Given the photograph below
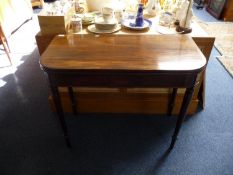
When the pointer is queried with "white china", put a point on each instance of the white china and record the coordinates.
(93, 29)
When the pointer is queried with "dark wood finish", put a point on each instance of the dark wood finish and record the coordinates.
(172, 101)
(141, 61)
(57, 102)
(43, 41)
(73, 100)
(187, 98)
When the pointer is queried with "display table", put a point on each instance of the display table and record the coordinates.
(133, 100)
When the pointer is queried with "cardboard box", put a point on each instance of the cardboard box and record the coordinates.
(53, 25)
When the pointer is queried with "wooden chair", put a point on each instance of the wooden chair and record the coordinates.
(4, 42)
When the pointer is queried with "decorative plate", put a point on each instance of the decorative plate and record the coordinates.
(93, 29)
(130, 23)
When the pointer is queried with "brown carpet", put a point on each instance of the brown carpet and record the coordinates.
(223, 33)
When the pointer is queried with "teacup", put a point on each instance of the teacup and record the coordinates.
(76, 24)
(108, 14)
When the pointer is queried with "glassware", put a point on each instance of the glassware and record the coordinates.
(76, 24)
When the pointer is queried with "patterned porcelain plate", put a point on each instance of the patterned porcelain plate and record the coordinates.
(130, 23)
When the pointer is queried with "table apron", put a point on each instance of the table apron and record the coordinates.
(111, 80)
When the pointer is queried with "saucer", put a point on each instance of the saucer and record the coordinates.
(102, 24)
(129, 23)
(93, 29)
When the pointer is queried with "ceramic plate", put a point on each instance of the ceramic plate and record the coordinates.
(129, 23)
(92, 29)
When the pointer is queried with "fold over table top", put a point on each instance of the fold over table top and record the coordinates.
(152, 53)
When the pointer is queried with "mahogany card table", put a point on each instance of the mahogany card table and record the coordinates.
(140, 61)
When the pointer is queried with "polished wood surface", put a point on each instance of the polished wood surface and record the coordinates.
(144, 53)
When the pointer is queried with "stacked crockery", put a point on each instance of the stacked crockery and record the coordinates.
(107, 21)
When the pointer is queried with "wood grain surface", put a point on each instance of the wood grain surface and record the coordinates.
(123, 53)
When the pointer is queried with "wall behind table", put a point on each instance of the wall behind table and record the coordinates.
(14, 13)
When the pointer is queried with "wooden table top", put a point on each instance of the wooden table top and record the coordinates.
(153, 53)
